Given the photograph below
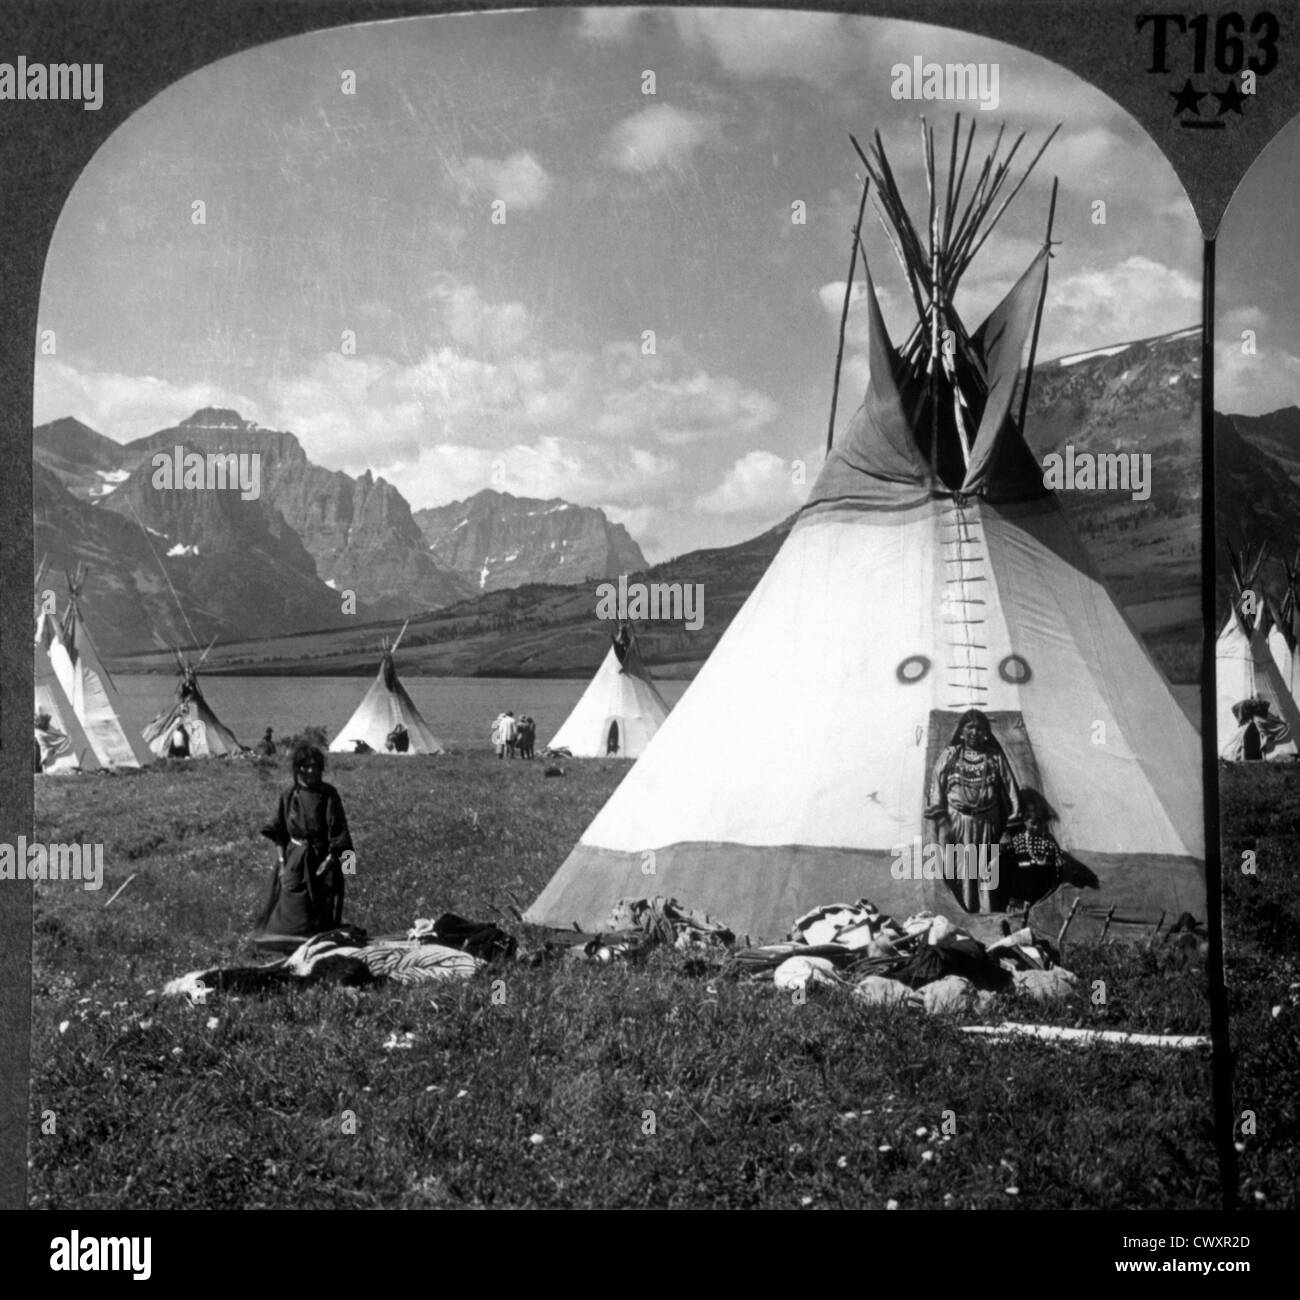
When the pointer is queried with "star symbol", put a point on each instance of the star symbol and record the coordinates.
(1230, 100)
(1188, 99)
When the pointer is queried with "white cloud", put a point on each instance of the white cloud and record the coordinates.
(480, 326)
(658, 136)
(520, 180)
(756, 484)
(831, 296)
(817, 48)
(1252, 383)
(1136, 299)
(124, 407)
(616, 476)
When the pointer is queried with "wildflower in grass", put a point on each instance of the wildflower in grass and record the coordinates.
(843, 1162)
(537, 1139)
(891, 1204)
(805, 1200)
(213, 1022)
(63, 1026)
(927, 1155)
(922, 1131)
(884, 1146)
(796, 1149)
(1012, 1191)
(849, 1114)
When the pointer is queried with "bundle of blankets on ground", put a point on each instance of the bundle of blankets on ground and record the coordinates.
(924, 961)
(635, 927)
(450, 948)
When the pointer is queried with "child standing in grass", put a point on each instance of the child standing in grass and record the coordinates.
(311, 831)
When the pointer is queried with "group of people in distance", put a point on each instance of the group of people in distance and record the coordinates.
(511, 734)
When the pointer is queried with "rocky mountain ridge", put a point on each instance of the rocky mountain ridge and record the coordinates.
(495, 540)
(281, 562)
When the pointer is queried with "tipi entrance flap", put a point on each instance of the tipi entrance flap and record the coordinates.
(1012, 742)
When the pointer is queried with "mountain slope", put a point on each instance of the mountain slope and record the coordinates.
(495, 540)
(359, 532)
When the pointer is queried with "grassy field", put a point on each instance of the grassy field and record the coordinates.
(670, 1083)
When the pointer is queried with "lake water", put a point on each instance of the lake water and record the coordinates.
(459, 709)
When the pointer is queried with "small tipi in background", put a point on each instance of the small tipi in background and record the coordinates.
(88, 685)
(208, 737)
(385, 707)
(1255, 713)
(930, 573)
(620, 710)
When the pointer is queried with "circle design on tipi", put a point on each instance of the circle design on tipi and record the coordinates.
(1015, 670)
(912, 669)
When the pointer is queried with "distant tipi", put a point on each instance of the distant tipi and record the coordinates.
(931, 644)
(620, 710)
(89, 686)
(386, 708)
(1255, 713)
(205, 734)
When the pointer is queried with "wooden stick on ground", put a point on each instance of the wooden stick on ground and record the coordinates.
(1106, 927)
(123, 885)
(1151, 940)
(1010, 1029)
(1074, 907)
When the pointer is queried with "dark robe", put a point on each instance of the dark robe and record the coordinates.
(309, 825)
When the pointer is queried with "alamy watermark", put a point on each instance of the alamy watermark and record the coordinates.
(23, 861)
(179, 469)
(83, 81)
(678, 601)
(77, 1254)
(946, 862)
(921, 80)
(1105, 471)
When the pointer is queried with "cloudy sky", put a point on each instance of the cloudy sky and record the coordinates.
(1257, 285)
(513, 355)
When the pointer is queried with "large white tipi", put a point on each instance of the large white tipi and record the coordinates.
(61, 740)
(384, 708)
(930, 574)
(1255, 713)
(620, 710)
(90, 688)
(1284, 638)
